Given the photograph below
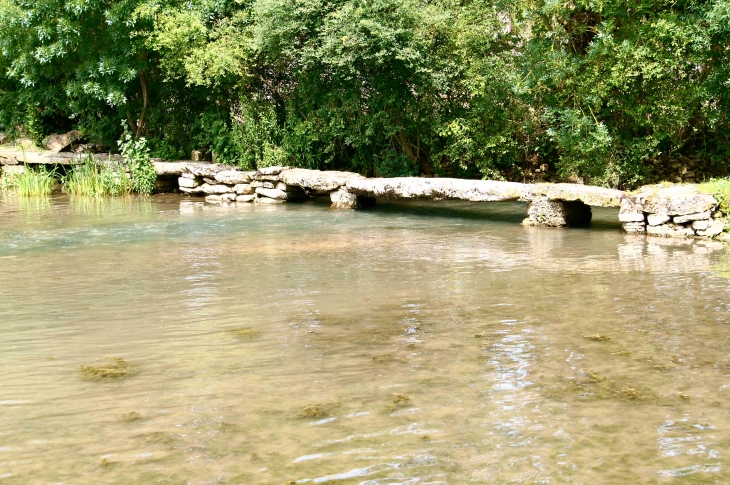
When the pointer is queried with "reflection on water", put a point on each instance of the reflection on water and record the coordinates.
(415, 343)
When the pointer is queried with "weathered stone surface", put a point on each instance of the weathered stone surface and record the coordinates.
(233, 177)
(187, 175)
(588, 194)
(171, 168)
(267, 200)
(344, 199)
(631, 210)
(657, 219)
(214, 198)
(441, 188)
(631, 217)
(230, 197)
(271, 170)
(204, 169)
(12, 169)
(693, 217)
(557, 213)
(214, 189)
(317, 181)
(700, 225)
(57, 143)
(262, 184)
(670, 230)
(481, 190)
(634, 227)
(272, 193)
(187, 182)
(675, 200)
(246, 198)
(715, 227)
(244, 189)
(4, 138)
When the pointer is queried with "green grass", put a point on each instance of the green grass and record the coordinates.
(91, 179)
(720, 188)
(31, 182)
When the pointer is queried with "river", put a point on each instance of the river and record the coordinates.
(415, 343)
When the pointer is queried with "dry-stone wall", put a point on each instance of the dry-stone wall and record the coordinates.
(672, 211)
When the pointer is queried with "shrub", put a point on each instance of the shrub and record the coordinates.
(136, 156)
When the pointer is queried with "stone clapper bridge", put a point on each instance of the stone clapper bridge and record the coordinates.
(678, 210)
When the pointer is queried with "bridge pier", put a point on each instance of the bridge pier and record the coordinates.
(344, 199)
(542, 211)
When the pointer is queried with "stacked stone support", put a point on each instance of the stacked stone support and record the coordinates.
(542, 211)
(672, 211)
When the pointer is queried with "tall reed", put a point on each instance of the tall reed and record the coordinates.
(30, 182)
(92, 179)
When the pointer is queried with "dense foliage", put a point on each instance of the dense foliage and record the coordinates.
(596, 89)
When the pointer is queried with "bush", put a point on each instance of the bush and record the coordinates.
(136, 156)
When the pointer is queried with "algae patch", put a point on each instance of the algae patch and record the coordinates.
(115, 369)
(131, 416)
(401, 398)
(313, 412)
(598, 337)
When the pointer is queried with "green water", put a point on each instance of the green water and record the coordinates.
(419, 343)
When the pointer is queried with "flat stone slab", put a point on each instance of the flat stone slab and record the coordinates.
(316, 180)
(674, 200)
(588, 194)
(482, 190)
(438, 188)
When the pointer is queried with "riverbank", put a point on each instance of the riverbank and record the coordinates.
(666, 210)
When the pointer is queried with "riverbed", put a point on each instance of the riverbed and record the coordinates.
(413, 343)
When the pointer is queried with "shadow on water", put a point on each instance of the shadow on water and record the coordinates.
(511, 212)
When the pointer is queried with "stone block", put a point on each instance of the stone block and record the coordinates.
(715, 228)
(244, 189)
(229, 197)
(634, 227)
(657, 219)
(246, 198)
(557, 213)
(214, 198)
(232, 177)
(214, 189)
(57, 143)
(266, 200)
(263, 184)
(344, 199)
(631, 210)
(631, 217)
(187, 183)
(699, 216)
(272, 193)
(271, 170)
(670, 230)
(700, 225)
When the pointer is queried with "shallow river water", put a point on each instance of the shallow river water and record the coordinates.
(416, 343)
